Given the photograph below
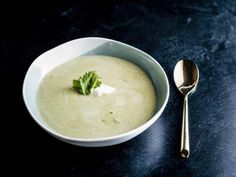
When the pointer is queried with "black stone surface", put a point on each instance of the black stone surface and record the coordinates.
(201, 30)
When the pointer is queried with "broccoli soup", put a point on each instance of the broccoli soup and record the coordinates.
(96, 96)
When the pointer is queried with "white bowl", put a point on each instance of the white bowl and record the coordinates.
(93, 46)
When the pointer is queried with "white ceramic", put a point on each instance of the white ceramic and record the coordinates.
(93, 46)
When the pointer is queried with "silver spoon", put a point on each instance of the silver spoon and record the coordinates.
(186, 77)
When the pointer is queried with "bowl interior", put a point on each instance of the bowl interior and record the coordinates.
(90, 46)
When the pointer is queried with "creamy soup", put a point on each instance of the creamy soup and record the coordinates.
(87, 116)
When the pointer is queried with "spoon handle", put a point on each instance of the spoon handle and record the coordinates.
(185, 150)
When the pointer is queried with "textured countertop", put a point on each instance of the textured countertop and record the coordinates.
(204, 31)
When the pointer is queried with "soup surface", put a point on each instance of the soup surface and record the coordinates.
(87, 116)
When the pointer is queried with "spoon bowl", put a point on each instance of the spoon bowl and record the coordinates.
(186, 76)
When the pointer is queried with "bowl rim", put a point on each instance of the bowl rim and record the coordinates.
(140, 128)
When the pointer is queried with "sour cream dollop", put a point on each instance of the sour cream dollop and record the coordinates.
(103, 89)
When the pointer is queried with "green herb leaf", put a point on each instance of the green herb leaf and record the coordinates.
(88, 81)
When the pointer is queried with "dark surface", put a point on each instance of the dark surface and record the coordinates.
(204, 31)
